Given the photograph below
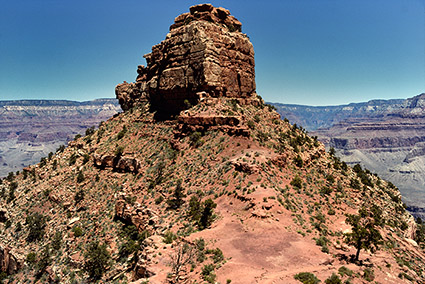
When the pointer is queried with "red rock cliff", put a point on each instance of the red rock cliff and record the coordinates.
(204, 54)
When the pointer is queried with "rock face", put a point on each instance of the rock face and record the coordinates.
(205, 54)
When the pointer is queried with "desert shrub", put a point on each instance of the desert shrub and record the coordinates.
(96, 260)
(217, 255)
(355, 184)
(298, 161)
(297, 182)
(119, 151)
(330, 179)
(57, 241)
(169, 237)
(196, 139)
(72, 159)
(325, 190)
(36, 224)
(79, 196)
(80, 177)
(306, 278)
(323, 242)
(60, 149)
(207, 215)
(195, 208)
(121, 134)
(345, 271)
(78, 232)
(159, 200)
(43, 262)
(208, 273)
(333, 279)
(86, 158)
(127, 248)
(368, 275)
(31, 258)
(90, 131)
(250, 124)
(78, 136)
(12, 188)
(176, 200)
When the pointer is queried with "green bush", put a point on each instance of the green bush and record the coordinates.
(80, 177)
(36, 224)
(79, 196)
(207, 216)
(96, 260)
(196, 139)
(57, 240)
(169, 237)
(297, 182)
(306, 278)
(368, 275)
(122, 133)
(333, 279)
(345, 271)
(298, 161)
(31, 258)
(72, 159)
(78, 232)
(176, 200)
(208, 273)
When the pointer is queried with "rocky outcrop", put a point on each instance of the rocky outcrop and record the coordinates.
(141, 217)
(9, 263)
(204, 55)
(117, 163)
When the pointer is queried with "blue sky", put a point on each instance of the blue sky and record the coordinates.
(315, 52)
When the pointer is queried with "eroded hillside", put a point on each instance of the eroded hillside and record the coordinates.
(223, 191)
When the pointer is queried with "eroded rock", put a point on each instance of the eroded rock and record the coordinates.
(205, 54)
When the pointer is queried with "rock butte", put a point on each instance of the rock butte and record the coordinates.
(205, 55)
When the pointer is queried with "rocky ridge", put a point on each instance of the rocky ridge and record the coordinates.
(223, 192)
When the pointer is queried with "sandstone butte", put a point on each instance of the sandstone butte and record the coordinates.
(199, 181)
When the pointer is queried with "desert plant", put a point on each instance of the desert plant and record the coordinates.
(207, 216)
(306, 278)
(96, 260)
(208, 273)
(297, 182)
(80, 177)
(364, 234)
(333, 279)
(36, 224)
(169, 237)
(79, 196)
(176, 200)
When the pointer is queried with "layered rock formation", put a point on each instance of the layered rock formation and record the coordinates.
(205, 54)
(387, 137)
(224, 192)
(29, 130)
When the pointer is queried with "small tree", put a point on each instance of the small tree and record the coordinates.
(96, 260)
(176, 200)
(36, 224)
(364, 234)
(207, 216)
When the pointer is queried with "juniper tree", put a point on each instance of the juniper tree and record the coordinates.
(364, 233)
